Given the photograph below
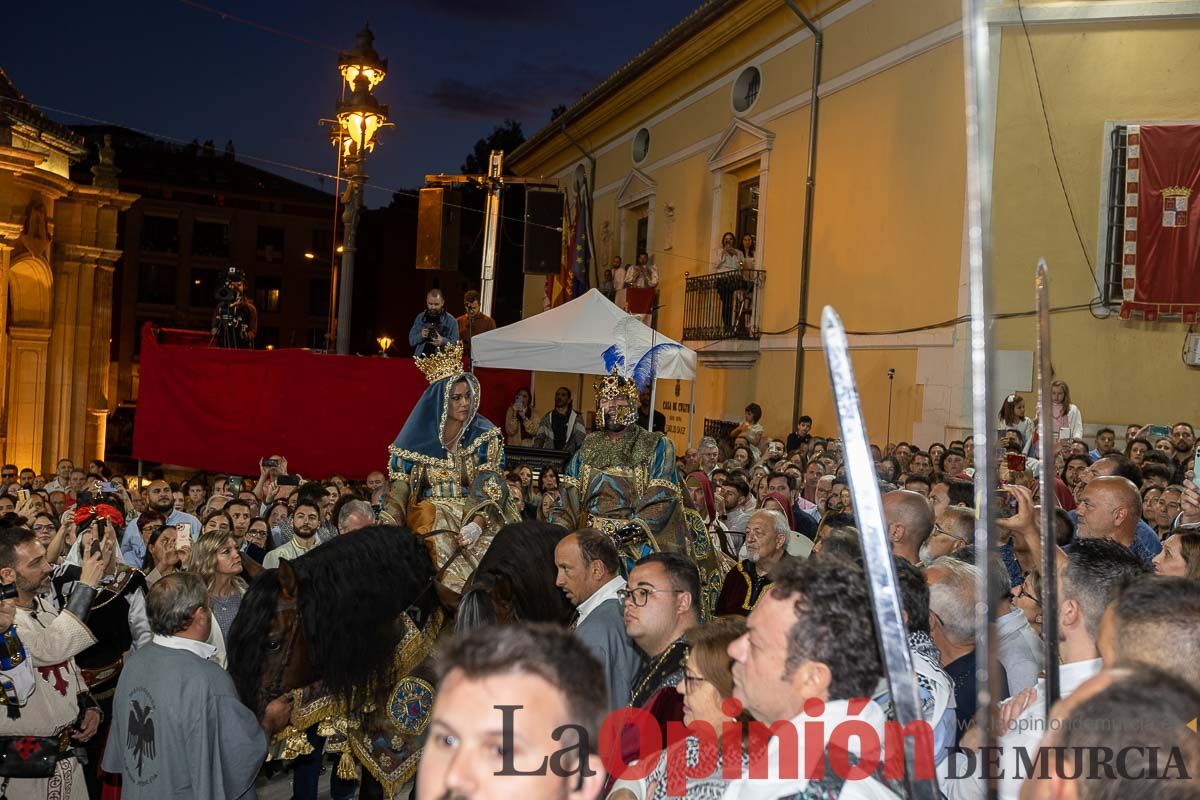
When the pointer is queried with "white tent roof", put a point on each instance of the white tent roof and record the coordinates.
(573, 338)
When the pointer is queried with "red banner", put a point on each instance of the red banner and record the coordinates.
(222, 410)
(1161, 272)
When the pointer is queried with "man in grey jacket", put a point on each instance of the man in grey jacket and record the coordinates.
(589, 575)
(178, 728)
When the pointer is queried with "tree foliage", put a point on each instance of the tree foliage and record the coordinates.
(506, 137)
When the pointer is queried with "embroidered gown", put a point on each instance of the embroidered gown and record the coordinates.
(436, 492)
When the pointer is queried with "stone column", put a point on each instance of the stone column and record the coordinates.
(97, 391)
(5, 255)
(61, 355)
(79, 366)
(27, 393)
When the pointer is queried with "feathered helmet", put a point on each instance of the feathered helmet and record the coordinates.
(617, 386)
(626, 381)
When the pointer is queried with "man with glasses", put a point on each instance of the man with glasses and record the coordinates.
(662, 600)
(8, 476)
(951, 532)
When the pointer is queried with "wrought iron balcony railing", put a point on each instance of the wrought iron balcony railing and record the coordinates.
(725, 305)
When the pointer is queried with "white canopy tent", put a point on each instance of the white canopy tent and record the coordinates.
(573, 338)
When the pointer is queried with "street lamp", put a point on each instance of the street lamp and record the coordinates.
(362, 60)
(385, 344)
(360, 116)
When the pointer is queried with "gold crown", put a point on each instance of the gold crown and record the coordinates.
(442, 364)
(1176, 191)
(615, 385)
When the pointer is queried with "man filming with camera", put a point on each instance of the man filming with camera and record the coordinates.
(434, 329)
(40, 737)
(235, 324)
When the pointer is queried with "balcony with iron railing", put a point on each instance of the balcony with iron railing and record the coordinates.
(722, 311)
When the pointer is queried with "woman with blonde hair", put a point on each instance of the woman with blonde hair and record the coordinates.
(217, 562)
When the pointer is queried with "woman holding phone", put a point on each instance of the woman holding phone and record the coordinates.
(520, 423)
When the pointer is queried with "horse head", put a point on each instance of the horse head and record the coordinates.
(515, 579)
(268, 650)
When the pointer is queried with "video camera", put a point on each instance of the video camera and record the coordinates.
(433, 324)
(231, 290)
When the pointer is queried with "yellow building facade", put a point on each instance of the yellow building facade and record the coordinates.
(677, 138)
(58, 250)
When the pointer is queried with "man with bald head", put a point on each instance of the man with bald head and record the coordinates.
(910, 521)
(1110, 508)
(1146, 541)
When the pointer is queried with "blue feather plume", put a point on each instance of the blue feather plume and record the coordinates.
(643, 371)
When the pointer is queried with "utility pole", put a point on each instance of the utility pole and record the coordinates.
(487, 274)
(494, 181)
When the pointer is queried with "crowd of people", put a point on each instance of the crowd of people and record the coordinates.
(123, 592)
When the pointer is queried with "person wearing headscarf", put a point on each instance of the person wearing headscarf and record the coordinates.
(447, 471)
(705, 500)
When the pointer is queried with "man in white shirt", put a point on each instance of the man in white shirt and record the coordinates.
(809, 650)
(1089, 577)
(306, 520)
(62, 480)
(589, 575)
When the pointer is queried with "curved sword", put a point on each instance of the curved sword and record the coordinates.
(877, 552)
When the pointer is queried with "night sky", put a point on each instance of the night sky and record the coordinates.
(456, 69)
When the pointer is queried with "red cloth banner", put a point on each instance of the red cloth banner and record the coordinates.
(1161, 269)
(222, 410)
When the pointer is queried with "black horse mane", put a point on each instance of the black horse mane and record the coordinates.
(521, 557)
(247, 636)
(352, 591)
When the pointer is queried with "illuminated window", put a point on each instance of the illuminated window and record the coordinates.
(267, 293)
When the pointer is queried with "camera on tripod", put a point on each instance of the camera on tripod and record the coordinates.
(231, 290)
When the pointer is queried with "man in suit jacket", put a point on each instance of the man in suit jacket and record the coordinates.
(589, 575)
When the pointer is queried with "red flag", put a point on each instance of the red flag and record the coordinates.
(558, 287)
(1161, 269)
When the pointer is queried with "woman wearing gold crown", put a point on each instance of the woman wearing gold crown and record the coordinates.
(445, 471)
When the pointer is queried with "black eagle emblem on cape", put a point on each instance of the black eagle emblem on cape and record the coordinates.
(140, 736)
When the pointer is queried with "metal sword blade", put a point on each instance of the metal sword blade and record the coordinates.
(877, 552)
(983, 418)
(1046, 444)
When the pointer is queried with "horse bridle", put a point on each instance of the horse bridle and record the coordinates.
(274, 689)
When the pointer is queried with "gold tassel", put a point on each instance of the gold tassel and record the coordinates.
(295, 744)
(347, 768)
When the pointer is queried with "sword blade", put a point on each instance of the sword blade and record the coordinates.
(877, 551)
(1046, 456)
(983, 417)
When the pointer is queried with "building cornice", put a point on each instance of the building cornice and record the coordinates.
(10, 232)
(101, 256)
(103, 197)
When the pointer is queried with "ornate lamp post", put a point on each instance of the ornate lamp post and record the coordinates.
(360, 117)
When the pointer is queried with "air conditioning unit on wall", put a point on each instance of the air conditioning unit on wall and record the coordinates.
(1191, 349)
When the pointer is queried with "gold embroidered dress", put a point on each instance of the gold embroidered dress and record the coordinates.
(436, 490)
